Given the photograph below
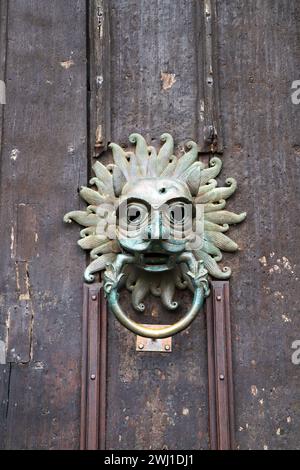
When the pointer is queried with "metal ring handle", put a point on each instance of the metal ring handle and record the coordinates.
(149, 332)
(198, 276)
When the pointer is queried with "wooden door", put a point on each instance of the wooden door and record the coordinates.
(79, 75)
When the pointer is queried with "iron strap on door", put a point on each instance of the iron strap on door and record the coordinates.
(94, 356)
(220, 376)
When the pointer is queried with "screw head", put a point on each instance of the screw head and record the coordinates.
(167, 347)
(93, 376)
(219, 297)
(141, 346)
(222, 376)
(94, 297)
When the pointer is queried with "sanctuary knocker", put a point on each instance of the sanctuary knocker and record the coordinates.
(156, 222)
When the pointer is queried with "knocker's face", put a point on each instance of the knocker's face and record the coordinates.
(155, 221)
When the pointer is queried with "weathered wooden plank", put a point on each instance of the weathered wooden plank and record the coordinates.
(4, 369)
(3, 44)
(157, 69)
(259, 59)
(43, 162)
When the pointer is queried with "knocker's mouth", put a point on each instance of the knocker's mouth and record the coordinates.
(152, 261)
(154, 256)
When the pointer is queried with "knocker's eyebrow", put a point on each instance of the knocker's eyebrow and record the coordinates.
(177, 199)
(134, 199)
(145, 203)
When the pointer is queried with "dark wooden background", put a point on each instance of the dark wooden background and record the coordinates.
(60, 88)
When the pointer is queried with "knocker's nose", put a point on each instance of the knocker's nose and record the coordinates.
(156, 230)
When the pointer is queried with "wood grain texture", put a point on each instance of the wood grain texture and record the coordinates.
(43, 163)
(259, 59)
(155, 49)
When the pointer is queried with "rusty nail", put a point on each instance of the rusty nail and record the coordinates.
(219, 297)
(141, 346)
(93, 376)
(167, 347)
(222, 377)
(94, 297)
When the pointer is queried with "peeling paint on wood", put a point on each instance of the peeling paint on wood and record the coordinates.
(66, 64)
(168, 80)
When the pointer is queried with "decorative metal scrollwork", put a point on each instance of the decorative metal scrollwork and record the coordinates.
(156, 222)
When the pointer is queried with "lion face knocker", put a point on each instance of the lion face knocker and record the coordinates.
(156, 222)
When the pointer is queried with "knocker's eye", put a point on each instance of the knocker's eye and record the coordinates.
(178, 213)
(136, 214)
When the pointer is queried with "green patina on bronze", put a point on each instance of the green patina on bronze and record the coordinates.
(150, 256)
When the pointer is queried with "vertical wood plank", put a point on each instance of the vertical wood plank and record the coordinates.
(43, 155)
(259, 60)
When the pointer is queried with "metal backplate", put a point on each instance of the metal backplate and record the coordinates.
(154, 345)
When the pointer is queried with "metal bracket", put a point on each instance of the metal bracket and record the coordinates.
(163, 345)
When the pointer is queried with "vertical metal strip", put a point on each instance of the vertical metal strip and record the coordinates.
(220, 377)
(84, 363)
(209, 103)
(103, 371)
(211, 374)
(93, 392)
(99, 76)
